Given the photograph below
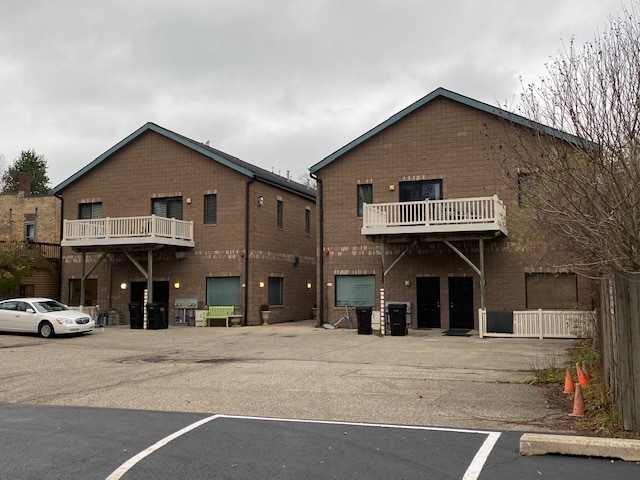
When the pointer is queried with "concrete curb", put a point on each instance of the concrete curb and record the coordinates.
(542, 444)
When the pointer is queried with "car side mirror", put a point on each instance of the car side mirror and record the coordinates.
(30, 310)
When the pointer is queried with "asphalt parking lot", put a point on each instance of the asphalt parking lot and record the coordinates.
(291, 370)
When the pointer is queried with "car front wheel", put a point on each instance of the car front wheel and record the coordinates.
(46, 330)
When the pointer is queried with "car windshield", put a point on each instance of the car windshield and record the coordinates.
(49, 306)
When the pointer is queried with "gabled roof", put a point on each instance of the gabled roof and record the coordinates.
(442, 92)
(225, 159)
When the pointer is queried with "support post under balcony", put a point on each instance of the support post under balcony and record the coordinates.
(386, 271)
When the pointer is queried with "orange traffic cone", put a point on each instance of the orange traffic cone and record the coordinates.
(578, 403)
(585, 370)
(582, 378)
(569, 387)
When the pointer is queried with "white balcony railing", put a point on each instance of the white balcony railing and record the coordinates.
(435, 216)
(542, 324)
(127, 231)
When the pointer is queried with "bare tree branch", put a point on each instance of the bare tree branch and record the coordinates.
(584, 203)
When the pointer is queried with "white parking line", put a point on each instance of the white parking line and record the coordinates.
(472, 472)
(129, 464)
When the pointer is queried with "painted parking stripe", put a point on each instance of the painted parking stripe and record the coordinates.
(472, 472)
(129, 464)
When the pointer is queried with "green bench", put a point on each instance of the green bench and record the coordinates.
(218, 312)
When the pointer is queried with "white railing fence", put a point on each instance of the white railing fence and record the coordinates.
(537, 324)
(434, 212)
(122, 227)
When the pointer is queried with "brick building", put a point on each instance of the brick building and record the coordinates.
(414, 212)
(166, 214)
(32, 223)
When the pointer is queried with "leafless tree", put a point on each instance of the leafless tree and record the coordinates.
(307, 181)
(581, 188)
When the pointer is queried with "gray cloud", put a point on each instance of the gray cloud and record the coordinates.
(280, 84)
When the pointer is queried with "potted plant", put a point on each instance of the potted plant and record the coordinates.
(265, 313)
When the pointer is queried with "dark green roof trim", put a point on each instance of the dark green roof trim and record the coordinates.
(442, 92)
(225, 159)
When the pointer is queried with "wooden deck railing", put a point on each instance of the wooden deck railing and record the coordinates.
(38, 249)
(126, 228)
(478, 213)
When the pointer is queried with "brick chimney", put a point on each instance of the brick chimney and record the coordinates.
(24, 184)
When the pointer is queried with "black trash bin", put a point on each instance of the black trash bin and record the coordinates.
(135, 314)
(398, 319)
(157, 316)
(364, 320)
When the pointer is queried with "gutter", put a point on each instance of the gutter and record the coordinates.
(246, 251)
(319, 249)
(60, 245)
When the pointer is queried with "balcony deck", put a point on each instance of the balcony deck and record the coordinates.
(462, 215)
(127, 231)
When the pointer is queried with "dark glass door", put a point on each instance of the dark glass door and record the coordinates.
(421, 190)
(461, 302)
(428, 291)
(160, 291)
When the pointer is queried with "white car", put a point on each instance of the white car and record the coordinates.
(43, 316)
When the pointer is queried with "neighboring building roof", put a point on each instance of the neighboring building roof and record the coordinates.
(225, 159)
(442, 92)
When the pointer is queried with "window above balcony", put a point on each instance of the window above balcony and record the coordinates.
(170, 207)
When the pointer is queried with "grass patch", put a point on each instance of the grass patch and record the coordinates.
(548, 375)
(601, 414)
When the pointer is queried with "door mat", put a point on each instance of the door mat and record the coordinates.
(457, 332)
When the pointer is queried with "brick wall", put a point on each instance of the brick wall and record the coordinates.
(45, 213)
(44, 210)
(154, 166)
(442, 140)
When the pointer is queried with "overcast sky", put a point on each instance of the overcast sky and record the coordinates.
(278, 83)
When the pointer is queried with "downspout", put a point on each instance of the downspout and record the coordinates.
(60, 249)
(319, 249)
(246, 252)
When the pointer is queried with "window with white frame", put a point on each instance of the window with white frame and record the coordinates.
(30, 230)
